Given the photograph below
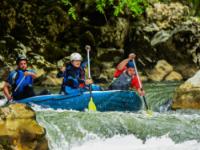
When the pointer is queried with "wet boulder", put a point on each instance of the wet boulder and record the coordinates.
(187, 95)
(174, 76)
(161, 69)
(19, 129)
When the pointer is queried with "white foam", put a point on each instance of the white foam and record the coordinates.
(130, 142)
(3, 102)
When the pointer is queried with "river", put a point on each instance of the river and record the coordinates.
(161, 130)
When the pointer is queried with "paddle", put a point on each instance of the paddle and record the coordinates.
(91, 105)
(20, 83)
(144, 98)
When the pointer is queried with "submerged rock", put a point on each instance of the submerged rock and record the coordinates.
(187, 95)
(19, 129)
(161, 69)
(174, 76)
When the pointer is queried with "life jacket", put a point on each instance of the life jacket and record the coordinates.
(122, 82)
(74, 77)
(16, 77)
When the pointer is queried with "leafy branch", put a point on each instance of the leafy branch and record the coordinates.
(135, 7)
(71, 9)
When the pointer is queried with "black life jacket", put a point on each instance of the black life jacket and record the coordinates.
(122, 82)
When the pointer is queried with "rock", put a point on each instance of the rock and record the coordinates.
(158, 34)
(51, 81)
(19, 129)
(160, 37)
(195, 80)
(21, 49)
(187, 71)
(107, 65)
(40, 61)
(107, 75)
(174, 76)
(162, 34)
(166, 15)
(114, 34)
(161, 69)
(109, 54)
(40, 71)
(187, 95)
(2, 59)
(143, 78)
(4, 72)
(103, 78)
(1, 85)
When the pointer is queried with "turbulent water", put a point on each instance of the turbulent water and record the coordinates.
(161, 130)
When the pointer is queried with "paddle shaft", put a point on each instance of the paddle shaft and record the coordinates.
(88, 61)
(91, 104)
(20, 83)
(140, 84)
(145, 102)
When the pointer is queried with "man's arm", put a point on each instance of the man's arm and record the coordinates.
(141, 92)
(30, 73)
(6, 91)
(124, 62)
(135, 84)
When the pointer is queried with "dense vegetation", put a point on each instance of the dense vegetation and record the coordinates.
(126, 7)
(114, 7)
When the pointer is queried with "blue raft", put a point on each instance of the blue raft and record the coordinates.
(114, 100)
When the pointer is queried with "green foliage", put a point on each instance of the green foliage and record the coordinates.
(72, 12)
(100, 5)
(195, 5)
(66, 2)
(136, 7)
(71, 9)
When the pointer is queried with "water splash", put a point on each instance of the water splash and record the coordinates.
(164, 130)
(130, 142)
(72, 128)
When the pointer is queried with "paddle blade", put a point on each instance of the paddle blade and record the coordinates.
(149, 113)
(91, 105)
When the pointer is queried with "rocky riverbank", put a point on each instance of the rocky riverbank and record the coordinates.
(44, 32)
(19, 129)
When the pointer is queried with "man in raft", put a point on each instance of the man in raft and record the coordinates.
(20, 81)
(125, 76)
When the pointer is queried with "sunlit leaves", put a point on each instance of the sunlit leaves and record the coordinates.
(66, 2)
(100, 5)
(116, 7)
(71, 9)
(72, 12)
(135, 7)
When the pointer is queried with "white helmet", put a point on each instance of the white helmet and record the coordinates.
(75, 56)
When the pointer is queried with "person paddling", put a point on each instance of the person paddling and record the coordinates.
(20, 81)
(74, 75)
(126, 77)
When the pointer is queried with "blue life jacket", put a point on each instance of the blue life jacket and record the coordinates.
(73, 77)
(122, 82)
(14, 79)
